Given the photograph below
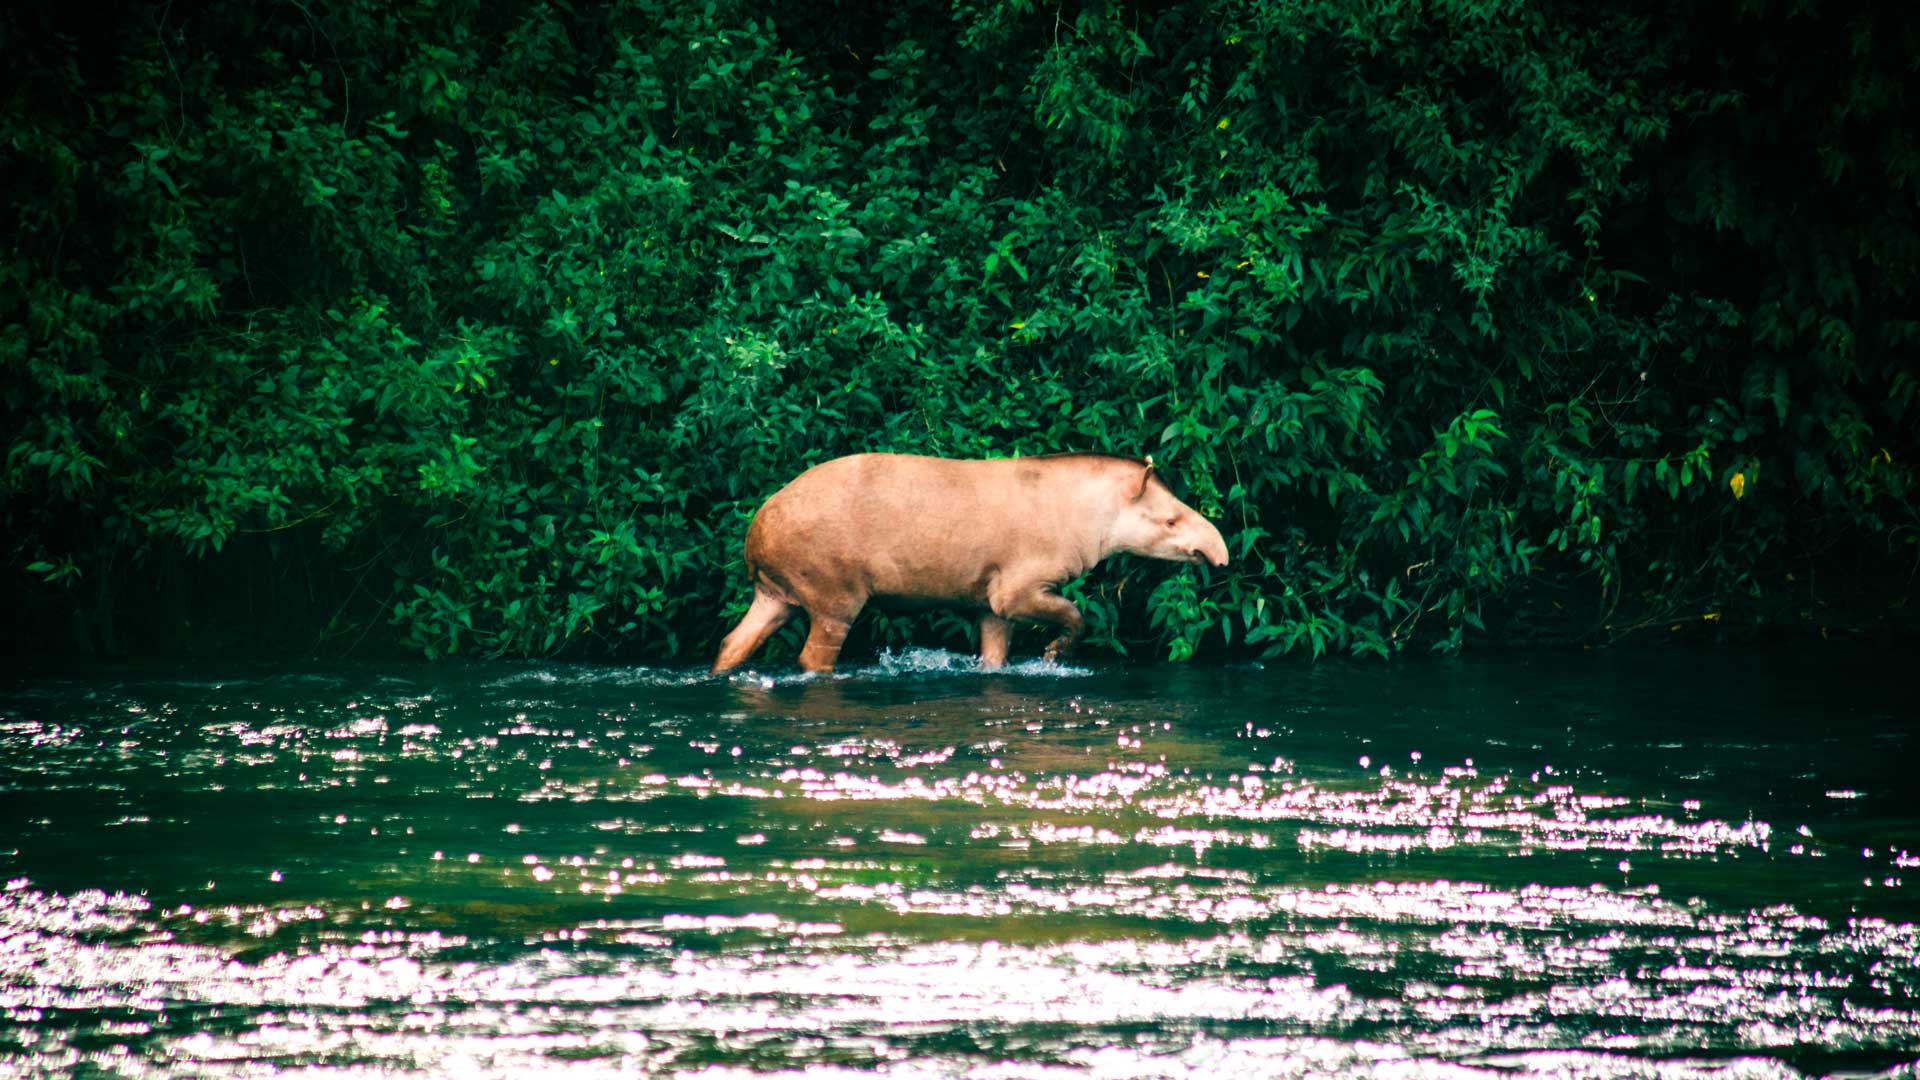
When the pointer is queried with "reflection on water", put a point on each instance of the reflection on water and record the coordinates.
(1574, 866)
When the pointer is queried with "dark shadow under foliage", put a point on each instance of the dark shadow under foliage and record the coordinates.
(485, 328)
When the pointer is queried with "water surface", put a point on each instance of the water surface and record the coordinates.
(1578, 865)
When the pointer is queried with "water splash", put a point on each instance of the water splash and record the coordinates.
(908, 663)
(923, 661)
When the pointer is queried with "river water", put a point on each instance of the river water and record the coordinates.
(1582, 865)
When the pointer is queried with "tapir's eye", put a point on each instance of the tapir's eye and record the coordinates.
(1172, 521)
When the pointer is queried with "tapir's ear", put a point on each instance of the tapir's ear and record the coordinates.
(1146, 477)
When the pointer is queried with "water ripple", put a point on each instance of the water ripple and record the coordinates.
(916, 869)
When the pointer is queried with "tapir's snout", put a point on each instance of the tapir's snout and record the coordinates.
(1213, 550)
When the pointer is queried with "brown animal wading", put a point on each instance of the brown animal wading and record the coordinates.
(1001, 536)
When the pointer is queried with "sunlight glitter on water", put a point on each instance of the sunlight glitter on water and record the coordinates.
(421, 998)
(916, 870)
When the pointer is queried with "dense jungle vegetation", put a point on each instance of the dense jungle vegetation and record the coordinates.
(459, 327)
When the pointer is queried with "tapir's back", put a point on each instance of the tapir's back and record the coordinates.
(909, 526)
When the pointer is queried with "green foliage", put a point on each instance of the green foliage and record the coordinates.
(496, 324)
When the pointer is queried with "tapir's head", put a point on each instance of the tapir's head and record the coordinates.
(1153, 523)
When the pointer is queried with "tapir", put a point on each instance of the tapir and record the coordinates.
(999, 537)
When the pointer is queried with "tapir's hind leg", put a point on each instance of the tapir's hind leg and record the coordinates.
(767, 614)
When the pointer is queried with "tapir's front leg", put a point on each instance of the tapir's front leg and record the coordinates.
(1041, 604)
(995, 634)
(825, 635)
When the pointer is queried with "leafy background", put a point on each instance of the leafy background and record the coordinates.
(471, 327)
